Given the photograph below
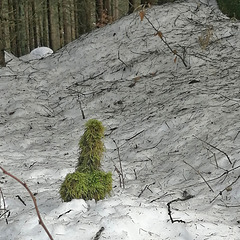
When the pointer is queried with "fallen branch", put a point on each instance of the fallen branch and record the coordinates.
(20, 199)
(214, 156)
(120, 172)
(225, 189)
(214, 148)
(80, 104)
(158, 198)
(166, 43)
(64, 213)
(33, 198)
(186, 197)
(199, 175)
(135, 135)
(5, 211)
(146, 187)
(121, 59)
(98, 234)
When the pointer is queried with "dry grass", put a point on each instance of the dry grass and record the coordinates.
(206, 36)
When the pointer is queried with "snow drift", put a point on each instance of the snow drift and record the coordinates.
(176, 129)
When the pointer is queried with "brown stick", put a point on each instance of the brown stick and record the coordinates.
(4, 206)
(120, 165)
(214, 148)
(188, 196)
(34, 201)
(225, 189)
(166, 43)
(199, 175)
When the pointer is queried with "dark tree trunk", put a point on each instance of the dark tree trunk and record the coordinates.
(2, 37)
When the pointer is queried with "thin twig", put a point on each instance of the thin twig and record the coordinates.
(236, 135)
(199, 175)
(214, 156)
(121, 59)
(80, 104)
(188, 196)
(214, 148)
(146, 187)
(166, 43)
(155, 199)
(225, 189)
(4, 206)
(135, 135)
(120, 165)
(33, 198)
(98, 234)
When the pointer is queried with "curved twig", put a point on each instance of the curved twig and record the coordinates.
(33, 198)
(165, 42)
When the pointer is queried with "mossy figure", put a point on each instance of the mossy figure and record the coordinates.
(88, 181)
(91, 146)
(89, 185)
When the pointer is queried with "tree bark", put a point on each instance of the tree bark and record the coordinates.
(99, 12)
(131, 4)
(2, 37)
(66, 21)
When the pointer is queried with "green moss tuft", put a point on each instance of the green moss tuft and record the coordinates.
(88, 185)
(88, 181)
(230, 7)
(91, 146)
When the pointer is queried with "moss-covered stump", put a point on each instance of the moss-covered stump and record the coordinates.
(86, 185)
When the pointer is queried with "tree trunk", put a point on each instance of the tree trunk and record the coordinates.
(53, 25)
(22, 28)
(66, 21)
(99, 12)
(131, 4)
(2, 37)
(45, 25)
(116, 11)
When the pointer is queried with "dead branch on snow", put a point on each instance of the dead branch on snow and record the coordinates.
(33, 198)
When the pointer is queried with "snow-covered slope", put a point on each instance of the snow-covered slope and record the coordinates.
(176, 128)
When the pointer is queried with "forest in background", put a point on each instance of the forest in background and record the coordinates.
(27, 24)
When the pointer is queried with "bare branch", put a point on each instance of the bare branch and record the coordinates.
(146, 187)
(98, 234)
(120, 173)
(214, 148)
(166, 43)
(33, 198)
(199, 175)
(225, 189)
(121, 59)
(80, 104)
(135, 135)
(185, 197)
(4, 206)
(214, 156)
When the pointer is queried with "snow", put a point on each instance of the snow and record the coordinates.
(39, 53)
(175, 126)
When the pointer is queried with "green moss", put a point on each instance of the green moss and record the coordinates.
(88, 181)
(88, 185)
(91, 146)
(230, 7)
